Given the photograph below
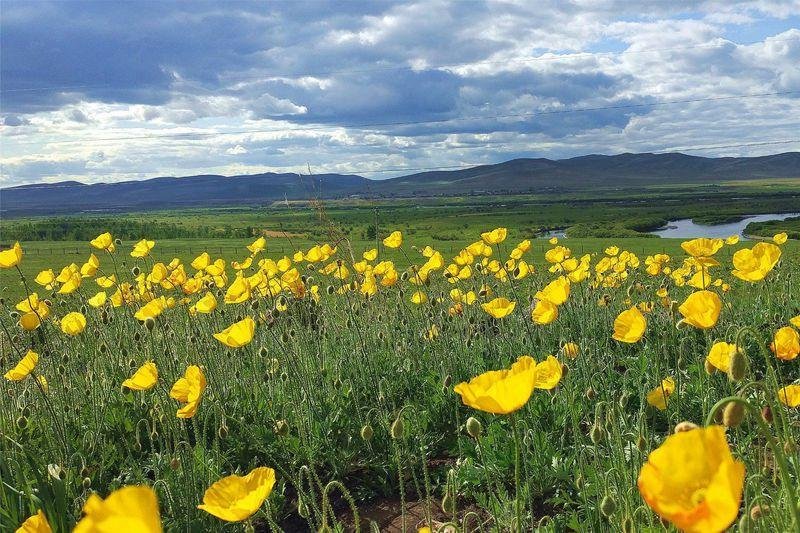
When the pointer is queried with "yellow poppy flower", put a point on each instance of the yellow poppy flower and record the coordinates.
(11, 257)
(701, 309)
(790, 396)
(555, 292)
(238, 292)
(629, 326)
(98, 299)
(189, 390)
(702, 247)
(144, 378)
(204, 305)
(419, 298)
(505, 391)
(553, 240)
(786, 344)
(103, 242)
(693, 481)
(73, 323)
(90, 267)
(259, 245)
(151, 309)
(500, 391)
(133, 509)
(720, 355)
(106, 282)
(571, 350)
(780, 238)
(658, 396)
(795, 321)
(238, 334)
(733, 239)
(754, 264)
(142, 248)
(544, 312)
(496, 236)
(394, 240)
(236, 498)
(370, 255)
(35, 524)
(548, 373)
(45, 278)
(499, 307)
(24, 367)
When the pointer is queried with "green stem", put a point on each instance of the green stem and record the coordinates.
(517, 500)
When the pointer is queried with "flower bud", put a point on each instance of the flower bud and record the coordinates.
(222, 432)
(282, 428)
(709, 368)
(627, 525)
(758, 511)
(448, 503)
(738, 366)
(766, 414)
(733, 414)
(474, 427)
(685, 426)
(596, 434)
(367, 432)
(398, 428)
(86, 483)
(608, 506)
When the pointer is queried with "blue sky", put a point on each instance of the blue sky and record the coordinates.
(109, 91)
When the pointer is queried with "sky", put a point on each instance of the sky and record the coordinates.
(111, 91)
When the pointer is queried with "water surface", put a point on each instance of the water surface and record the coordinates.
(686, 229)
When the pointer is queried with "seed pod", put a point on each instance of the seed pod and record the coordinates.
(608, 506)
(474, 427)
(766, 414)
(733, 414)
(86, 483)
(175, 463)
(590, 394)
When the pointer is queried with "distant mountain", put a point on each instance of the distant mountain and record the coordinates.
(511, 177)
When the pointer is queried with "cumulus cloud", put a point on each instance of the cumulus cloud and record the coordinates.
(238, 87)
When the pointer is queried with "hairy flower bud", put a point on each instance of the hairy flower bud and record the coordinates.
(733, 414)
(474, 427)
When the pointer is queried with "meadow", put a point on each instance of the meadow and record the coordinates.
(332, 382)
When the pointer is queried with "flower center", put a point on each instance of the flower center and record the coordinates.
(698, 496)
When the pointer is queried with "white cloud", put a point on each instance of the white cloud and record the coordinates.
(288, 88)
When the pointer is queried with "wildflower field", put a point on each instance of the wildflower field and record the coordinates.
(505, 385)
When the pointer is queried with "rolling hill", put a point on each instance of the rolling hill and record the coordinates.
(511, 177)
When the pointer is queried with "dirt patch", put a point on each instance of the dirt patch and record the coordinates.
(281, 234)
(389, 517)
